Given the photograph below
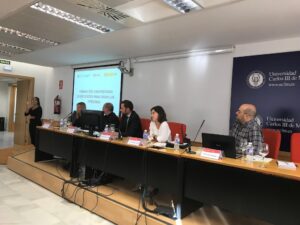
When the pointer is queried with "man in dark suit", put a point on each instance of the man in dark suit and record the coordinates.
(109, 117)
(130, 125)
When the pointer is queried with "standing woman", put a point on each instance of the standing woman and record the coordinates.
(159, 127)
(34, 110)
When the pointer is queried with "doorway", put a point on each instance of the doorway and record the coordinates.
(12, 107)
(16, 91)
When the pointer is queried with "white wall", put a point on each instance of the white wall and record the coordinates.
(268, 47)
(57, 74)
(4, 99)
(46, 85)
(40, 73)
(189, 89)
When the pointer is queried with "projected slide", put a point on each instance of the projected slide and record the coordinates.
(96, 86)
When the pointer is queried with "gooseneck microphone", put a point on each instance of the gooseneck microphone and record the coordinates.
(189, 149)
(67, 116)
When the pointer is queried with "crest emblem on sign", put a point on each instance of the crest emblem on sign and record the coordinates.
(256, 79)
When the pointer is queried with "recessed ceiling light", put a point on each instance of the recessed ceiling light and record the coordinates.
(183, 6)
(27, 36)
(70, 17)
(14, 47)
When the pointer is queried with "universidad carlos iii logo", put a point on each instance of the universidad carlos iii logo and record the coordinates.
(256, 79)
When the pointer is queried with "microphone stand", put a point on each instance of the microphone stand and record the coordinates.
(67, 116)
(189, 148)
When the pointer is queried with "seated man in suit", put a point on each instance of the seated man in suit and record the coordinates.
(246, 127)
(76, 115)
(110, 118)
(130, 125)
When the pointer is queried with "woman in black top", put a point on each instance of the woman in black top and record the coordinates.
(76, 115)
(34, 110)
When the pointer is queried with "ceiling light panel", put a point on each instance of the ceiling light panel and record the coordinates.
(70, 17)
(183, 6)
(27, 36)
(2, 44)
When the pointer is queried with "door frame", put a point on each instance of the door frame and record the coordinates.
(11, 109)
(30, 94)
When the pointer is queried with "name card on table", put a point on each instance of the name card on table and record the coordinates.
(46, 125)
(286, 165)
(71, 130)
(211, 153)
(106, 136)
(135, 141)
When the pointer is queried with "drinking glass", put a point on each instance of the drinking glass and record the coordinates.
(112, 128)
(263, 151)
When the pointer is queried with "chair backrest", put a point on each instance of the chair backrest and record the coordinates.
(295, 147)
(177, 128)
(273, 139)
(145, 124)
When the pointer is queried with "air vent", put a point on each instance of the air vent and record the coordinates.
(102, 9)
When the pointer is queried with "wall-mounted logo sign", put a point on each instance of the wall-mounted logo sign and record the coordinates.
(259, 120)
(256, 79)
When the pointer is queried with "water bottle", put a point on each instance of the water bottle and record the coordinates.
(250, 151)
(176, 142)
(145, 137)
(81, 175)
(65, 123)
(106, 128)
(61, 123)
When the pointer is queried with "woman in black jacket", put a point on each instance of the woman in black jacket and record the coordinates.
(34, 110)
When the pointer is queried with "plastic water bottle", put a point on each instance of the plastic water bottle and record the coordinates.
(106, 128)
(81, 175)
(145, 137)
(65, 123)
(250, 151)
(176, 142)
(61, 123)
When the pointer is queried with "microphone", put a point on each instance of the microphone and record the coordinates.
(69, 114)
(174, 211)
(189, 149)
(120, 136)
(199, 130)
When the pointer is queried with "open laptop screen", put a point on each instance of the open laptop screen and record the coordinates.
(220, 142)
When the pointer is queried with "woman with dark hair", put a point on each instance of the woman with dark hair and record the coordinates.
(159, 128)
(34, 110)
(76, 115)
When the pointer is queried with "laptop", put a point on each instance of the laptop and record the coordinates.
(221, 142)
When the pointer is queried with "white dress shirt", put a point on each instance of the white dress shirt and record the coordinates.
(163, 134)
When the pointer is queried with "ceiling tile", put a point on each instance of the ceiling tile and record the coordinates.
(147, 10)
(213, 3)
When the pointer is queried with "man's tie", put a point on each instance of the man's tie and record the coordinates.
(127, 121)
